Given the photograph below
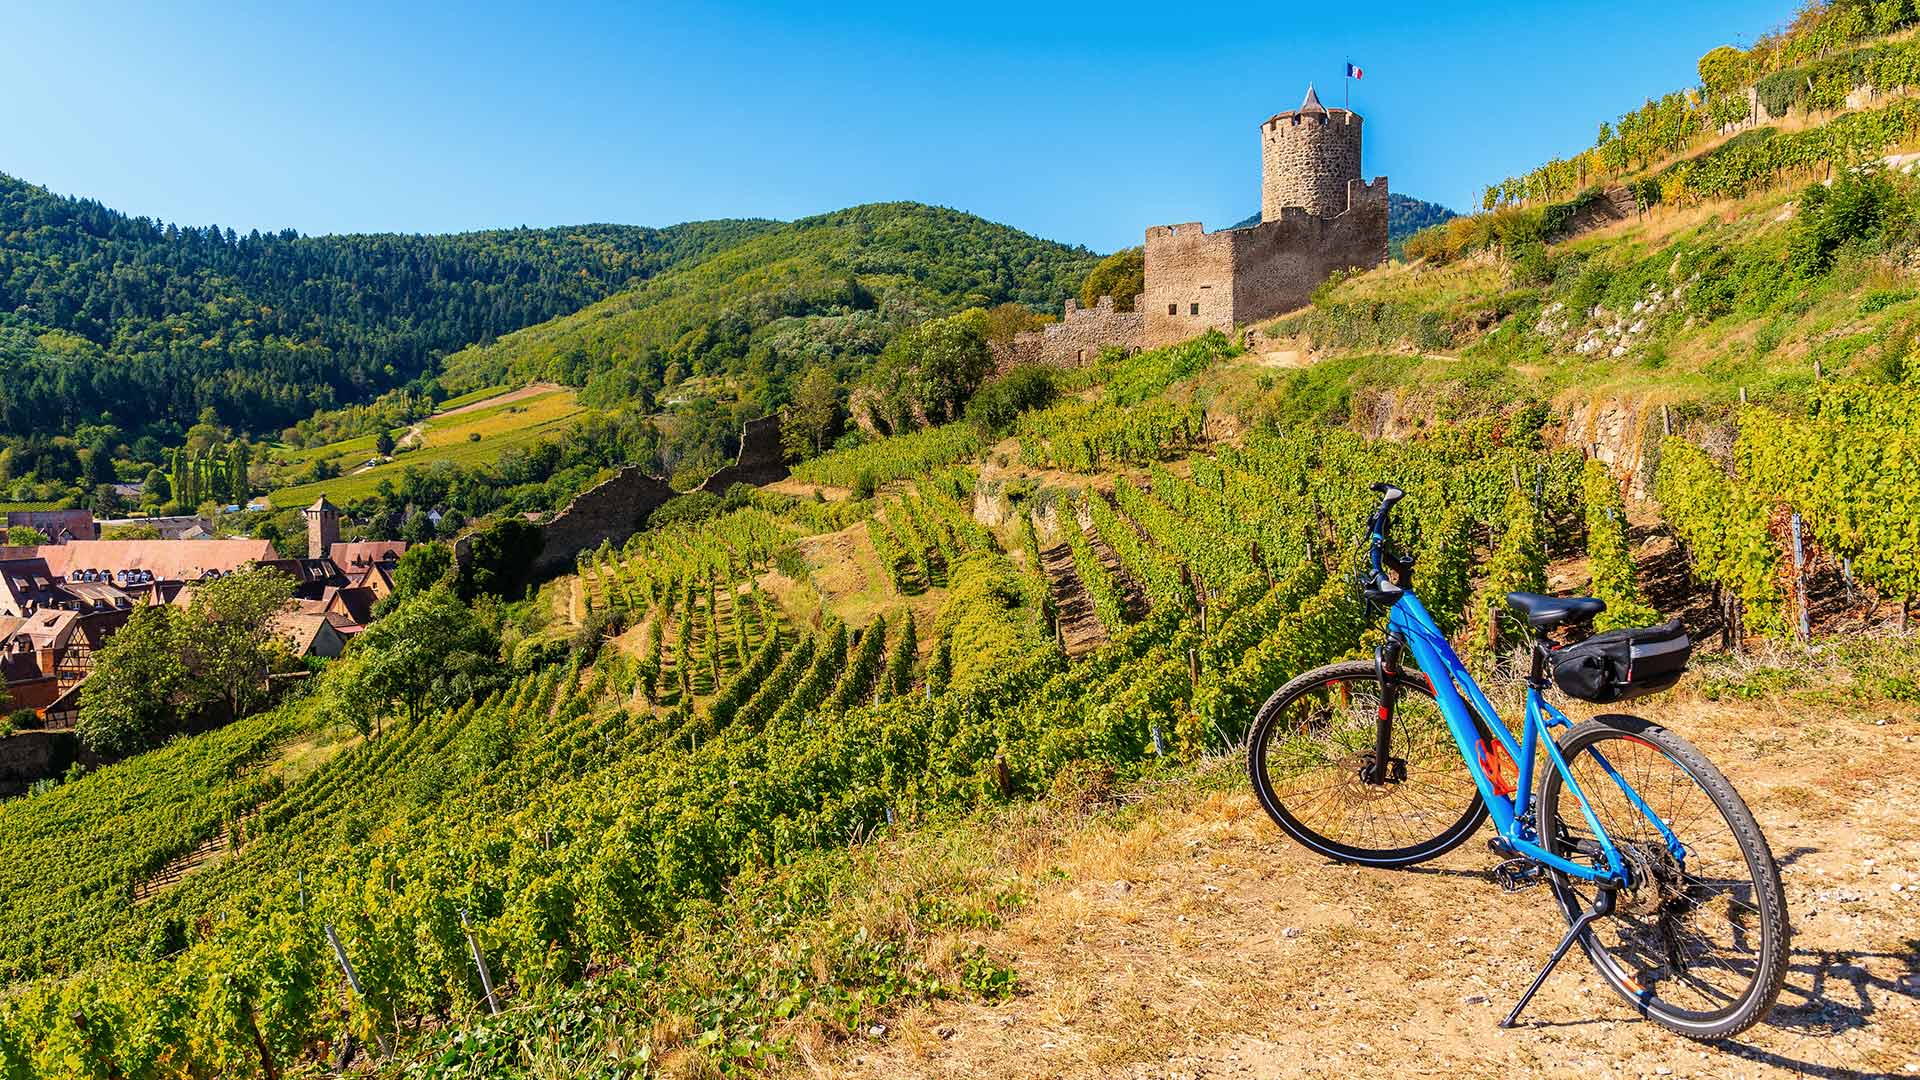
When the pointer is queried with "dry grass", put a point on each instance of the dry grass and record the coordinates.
(501, 422)
(848, 580)
(1185, 936)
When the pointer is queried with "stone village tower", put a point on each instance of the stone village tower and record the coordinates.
(1317, 216)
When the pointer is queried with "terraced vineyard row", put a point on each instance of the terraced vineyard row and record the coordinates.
(571, 821)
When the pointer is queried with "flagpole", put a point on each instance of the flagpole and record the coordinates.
(1347, 84)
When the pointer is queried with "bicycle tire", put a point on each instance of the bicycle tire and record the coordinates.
(1661, 909)
(1359, 673)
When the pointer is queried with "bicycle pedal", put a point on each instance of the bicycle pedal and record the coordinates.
(1517, 874)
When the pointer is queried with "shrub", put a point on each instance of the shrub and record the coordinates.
(1855, 207)
(688, 509)
(1000, 402)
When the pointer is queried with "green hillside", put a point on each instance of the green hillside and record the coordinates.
(147, 323)
(930, 759)
(724, 787)
(832, 289)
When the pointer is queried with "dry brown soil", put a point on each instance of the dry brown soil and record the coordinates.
(1198, 941)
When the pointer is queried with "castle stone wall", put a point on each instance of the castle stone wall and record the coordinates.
(1076, 340)
(1197, 280)
(1189, 283)
(616, 508)
(1277, 264)
(1306, 160)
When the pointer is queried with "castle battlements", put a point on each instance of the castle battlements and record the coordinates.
(1317, 216)
(1076, 340)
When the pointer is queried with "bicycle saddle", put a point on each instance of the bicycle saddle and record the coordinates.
(1544, 612)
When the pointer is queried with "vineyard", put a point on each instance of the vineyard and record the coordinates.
(1846, 469)
(576, 815)
(897, 458)
(561, 827)
(1814, 65)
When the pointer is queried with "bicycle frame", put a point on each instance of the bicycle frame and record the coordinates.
(1511, 812)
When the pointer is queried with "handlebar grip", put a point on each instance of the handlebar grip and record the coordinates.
(1380, 523)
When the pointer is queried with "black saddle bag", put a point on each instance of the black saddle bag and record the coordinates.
(1623, 664)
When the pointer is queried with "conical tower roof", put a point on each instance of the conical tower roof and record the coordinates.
(323, 507)
(1312, 102)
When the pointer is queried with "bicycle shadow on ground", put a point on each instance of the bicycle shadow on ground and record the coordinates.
(1829, 992)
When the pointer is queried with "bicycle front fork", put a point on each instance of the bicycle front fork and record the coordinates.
(1386, 668)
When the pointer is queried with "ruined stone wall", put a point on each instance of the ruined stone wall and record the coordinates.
(616, 508)
(1277, 264)
(761, 459)
(1306, 160)
(27, 756)
(611, 510)
(1189, 283)
(1076, 340)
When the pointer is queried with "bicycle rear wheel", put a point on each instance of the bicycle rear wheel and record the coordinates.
(1310, 752)
(1699, 943)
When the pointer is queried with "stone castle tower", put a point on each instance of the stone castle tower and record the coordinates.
(1317, 217)
(323, 528)
(1307, 158)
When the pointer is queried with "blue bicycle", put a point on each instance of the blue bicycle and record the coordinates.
(1662, 873)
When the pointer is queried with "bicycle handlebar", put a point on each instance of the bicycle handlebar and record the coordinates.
(1381, 523)
(1380, 555)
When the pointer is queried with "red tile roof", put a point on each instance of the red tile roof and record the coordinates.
(362, 554)
(171, 560)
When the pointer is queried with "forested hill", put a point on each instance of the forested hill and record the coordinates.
(833, 288)
(103, 314)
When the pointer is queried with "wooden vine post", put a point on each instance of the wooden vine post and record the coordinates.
(353, 980)
(1800, 578)
(480, 964)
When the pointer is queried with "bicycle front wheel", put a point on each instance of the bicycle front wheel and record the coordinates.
(1699, 942)
(1310, 756)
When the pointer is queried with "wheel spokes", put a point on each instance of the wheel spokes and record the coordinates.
(1685, 933)
(1320, 756)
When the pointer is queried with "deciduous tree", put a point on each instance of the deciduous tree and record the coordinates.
(132, 700)
(814, 417)
(231, 644)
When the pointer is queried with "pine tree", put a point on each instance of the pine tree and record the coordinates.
(238, 490)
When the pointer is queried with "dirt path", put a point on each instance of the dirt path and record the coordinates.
(1080, 628)
(1198, 941)
(508, 398)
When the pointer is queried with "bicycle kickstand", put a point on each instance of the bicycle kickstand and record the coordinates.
(1602, 906)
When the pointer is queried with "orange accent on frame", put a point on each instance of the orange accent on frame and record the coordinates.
(1499, 767)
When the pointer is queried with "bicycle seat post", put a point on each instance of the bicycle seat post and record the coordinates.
(1542, 658)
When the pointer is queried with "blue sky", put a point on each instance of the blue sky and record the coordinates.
(1081, 123)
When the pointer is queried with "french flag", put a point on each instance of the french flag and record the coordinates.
(1352, 71)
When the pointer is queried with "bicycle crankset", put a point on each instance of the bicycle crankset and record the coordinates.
(1517, 874)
